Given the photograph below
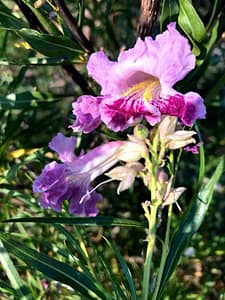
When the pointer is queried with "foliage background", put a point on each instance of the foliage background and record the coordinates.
(37, 87)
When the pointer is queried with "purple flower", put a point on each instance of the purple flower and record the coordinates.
(193, 148)
(140, 84)
(71, 179)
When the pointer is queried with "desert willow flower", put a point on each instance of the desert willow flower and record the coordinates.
(140, 85)
(71, 179)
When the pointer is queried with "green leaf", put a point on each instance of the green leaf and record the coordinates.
(169, 13)
(190, 225)
(52, 268)
(7, 289)
(9, 21)
(17, 283)
(119, 294)
(25, 100)
(43, 61)
(42, 18)
(84, 221)
(50, 45)
(125, 269)
(191, 23)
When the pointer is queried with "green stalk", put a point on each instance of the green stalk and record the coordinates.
(151, 212)
(152, 221)
(165, 252)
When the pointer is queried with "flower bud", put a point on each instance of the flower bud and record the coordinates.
(141, 131)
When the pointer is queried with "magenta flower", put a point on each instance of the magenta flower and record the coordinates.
(140, 84)
(71, 179)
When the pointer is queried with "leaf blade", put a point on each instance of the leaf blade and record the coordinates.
(54, 269)
(84, 221)
(190, 225)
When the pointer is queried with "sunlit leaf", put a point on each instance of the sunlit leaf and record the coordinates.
(169, 13)
(17, 283)
(50, 45)
(190, 22)
(25, 100)
(84, 221)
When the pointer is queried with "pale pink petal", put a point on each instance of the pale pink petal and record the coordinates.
(99, 68)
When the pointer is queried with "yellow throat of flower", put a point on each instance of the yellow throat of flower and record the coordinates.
(148, 88)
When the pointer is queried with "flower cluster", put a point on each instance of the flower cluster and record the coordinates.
(138, 85)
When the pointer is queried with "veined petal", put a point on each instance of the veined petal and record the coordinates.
(55, 196)
(86, 111)
(122, 112)
(175, 58)
(50, 176)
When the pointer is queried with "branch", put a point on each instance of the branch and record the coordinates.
(69, 68)
(75, 30)
(149, 11)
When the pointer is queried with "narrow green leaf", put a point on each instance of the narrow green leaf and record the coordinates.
(84, 221)
(25, 100)
(52, 268)
(11, 22)
(190, 22)
(42, 18)
(7, 289)
(169, 13)
(74, 246)
(125, 269)
(118, 291)
(190, 225)
(16, 282)
(35, 61)
(50, 45)
(70, 238)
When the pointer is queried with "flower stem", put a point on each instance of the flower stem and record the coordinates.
(164, 254)
(152, 220)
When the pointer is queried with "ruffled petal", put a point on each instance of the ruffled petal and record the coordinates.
(194, 108)
(86, 111)
(188, 108)
(172, 55)
(99, 68)
(54, 197)
(168, 58)
(50, 176)
(120, 113)
(64, 146)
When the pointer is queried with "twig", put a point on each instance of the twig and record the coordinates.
(75, 30)
(78, 78)
(69, 68)
(149, 11)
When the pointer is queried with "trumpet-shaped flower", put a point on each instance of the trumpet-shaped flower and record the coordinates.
(71, 179)
(140, 84)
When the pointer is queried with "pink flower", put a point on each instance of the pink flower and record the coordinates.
(140, 84)
(71, 179)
